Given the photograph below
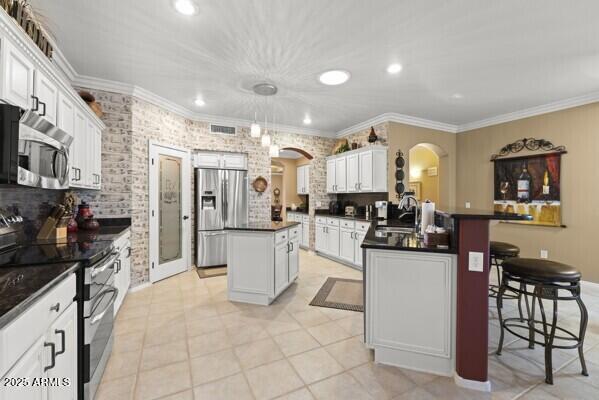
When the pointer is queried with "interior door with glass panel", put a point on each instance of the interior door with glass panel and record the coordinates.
(170, 196)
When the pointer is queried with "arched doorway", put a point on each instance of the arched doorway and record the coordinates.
(428, 168)
(291, 176)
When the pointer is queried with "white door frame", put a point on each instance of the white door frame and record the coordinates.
(154, 149)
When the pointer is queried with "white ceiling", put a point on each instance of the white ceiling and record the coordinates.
(501, 56)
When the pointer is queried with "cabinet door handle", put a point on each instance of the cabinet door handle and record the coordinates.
(36, 103)
(78, 174)
(53, 359)
(128, 251)
(63, 340)
(43, 113)
(55, 307)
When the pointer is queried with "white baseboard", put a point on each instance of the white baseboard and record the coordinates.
(470, 384)
(140, 287)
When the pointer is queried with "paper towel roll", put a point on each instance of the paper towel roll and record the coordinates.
(428, 216)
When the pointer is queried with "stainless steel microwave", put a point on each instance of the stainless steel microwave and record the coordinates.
(34, 152)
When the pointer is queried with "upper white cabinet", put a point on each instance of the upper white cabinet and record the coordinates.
(358, 171)
(17, 77)
(211, 159)
(303, 179)
(46, 96)
(30, 81)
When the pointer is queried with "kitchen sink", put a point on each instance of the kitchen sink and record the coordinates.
(395, 229)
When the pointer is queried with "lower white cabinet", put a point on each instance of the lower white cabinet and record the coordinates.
(418, 330)
(261, 264)
(341, 239)
(305, 232)
(41, 345)
(122, 272)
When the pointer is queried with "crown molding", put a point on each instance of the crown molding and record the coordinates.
(532, 111)
(150, 97)
(399, 118)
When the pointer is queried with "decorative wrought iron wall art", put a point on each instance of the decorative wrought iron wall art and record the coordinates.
(531, 144)
(400, 163)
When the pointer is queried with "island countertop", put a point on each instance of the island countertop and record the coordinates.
(469, 213)
(407, 241)
(266, 226)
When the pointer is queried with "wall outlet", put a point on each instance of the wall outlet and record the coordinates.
(467, 204)
(476, 261)
(544, 254)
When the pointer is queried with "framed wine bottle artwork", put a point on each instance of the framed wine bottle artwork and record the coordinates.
(530, 185)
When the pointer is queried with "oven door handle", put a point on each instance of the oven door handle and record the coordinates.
(97, 270)
(99, 317)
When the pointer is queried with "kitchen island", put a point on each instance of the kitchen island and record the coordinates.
(262, 260)
(426, 307)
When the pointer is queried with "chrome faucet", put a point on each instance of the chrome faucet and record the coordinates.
(404, 204)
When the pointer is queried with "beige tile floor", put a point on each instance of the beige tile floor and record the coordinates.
(182, 339)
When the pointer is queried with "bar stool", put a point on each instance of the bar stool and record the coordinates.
(548, 279)
(500, 251)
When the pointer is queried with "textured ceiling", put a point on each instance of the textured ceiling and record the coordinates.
(501, 56)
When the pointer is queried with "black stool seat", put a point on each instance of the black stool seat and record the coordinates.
(541, 270)
(503, 249)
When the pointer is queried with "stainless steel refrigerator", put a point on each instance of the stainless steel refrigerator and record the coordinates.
(221, 202)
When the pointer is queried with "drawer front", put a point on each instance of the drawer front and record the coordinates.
(347, 223)
(332, 221)
(305, 219)
(123, 241)
(321, 220)
(294, 232)
(362, 226)
(282, 236)
(17, 337)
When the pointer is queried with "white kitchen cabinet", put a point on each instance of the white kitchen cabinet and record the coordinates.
(46, 91)
(213, 159)
(333, 241)
(353, 172)
(321, 242)
(64, 334)
(78, 150)
(281, 266)
(95, 156)
(305, 231)
(65, 118)
(340, 175)
(261, 264)
(42, 344)
(358, 251)
(28, 368)
(122, 273)
(303, 179)
(413, 333)
(358, 171)
(331, 174)
(17, 77)
(347, 245)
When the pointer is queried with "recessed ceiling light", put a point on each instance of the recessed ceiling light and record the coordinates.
(307, 120)
(199, 102)
(334, 77)
(186, 7)
(394, 68)
(457, 96)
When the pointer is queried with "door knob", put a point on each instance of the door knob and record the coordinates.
(185, 217)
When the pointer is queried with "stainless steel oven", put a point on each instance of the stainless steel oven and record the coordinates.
(99, 295)
(34, 152)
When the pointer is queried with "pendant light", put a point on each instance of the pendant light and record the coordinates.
(255, 127)
(266, 136)
(274, 150)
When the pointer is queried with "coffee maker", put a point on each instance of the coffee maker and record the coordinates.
(381, 209)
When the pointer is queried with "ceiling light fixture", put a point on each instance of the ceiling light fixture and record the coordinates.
(394, 68)
(255, 127)
(307, 120)
(186, 7)
(266, 139)
(334, 77)
(274, 150)
(199, 102)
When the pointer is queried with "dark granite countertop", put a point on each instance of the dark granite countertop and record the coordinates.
(326, 213)
(469, 213)
(399, 240)
(298, 211)
(267, 226)
(20, 287)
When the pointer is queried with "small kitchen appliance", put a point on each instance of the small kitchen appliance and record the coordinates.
(381, 209)
(350, 211)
